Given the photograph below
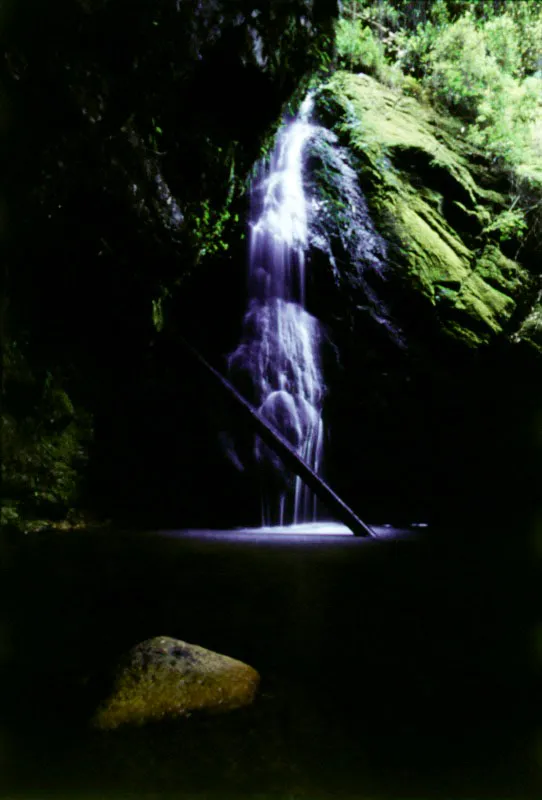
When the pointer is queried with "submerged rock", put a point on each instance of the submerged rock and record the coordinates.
(164, 678)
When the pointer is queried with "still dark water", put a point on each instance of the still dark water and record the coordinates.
(396, 667)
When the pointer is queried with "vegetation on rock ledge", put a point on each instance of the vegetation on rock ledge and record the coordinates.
(482, 61)
(443, 115)
(431, 202)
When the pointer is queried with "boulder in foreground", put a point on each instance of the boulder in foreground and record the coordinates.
(164, 678)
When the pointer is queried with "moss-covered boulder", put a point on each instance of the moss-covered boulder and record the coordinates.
(437, 203)
(165, 678)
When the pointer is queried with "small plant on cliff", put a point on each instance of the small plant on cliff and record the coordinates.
(358, 48)
(461, 71)
(510, 224)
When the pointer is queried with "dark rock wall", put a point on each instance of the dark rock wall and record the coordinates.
(131, 130)
(431, 411)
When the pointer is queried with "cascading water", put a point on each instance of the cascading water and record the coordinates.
(281, 341)
(292, 218)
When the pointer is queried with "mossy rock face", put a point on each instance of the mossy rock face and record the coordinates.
(165, 678)
(435, 202)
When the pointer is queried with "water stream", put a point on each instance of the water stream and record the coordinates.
(280, 346)
(278, 359)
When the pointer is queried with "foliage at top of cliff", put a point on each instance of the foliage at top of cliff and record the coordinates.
(442, 212)
(480, 61)
(460, 92)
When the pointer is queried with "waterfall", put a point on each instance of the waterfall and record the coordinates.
(278, 361)
(280, 346)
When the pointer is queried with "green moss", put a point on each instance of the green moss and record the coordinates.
(484, 303)
(431, 196)
(501, 272)
(412, 87)
(459, 332)
(432, 250)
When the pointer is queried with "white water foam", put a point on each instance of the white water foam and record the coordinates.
(280, 347)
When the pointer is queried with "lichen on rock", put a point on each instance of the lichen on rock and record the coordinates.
(165, 678)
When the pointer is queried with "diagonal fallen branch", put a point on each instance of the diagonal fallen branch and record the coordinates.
(282, 447)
